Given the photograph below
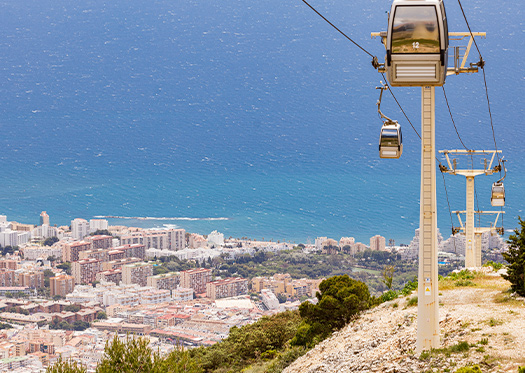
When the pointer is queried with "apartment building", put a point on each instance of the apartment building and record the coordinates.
(112, 275)
(136, 273)
(118, 263)
(70, 251)
(100, 254)
(115, 254)
(156, 296)
(79, 228)
(182, 294)
(100, 241)
(85, 271)
(7, 277)
(9, 264)
(377, 243)
(229, 287)
(30, 279)
(167, 281)
(195, 279)
(135, 250)
(61, 285)
(170, 239)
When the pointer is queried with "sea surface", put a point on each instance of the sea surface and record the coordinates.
(253, 118)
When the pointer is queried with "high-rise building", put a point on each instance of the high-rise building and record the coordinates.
(377, 243)
(100, 241)
(85, 271)
(70, 251)
(7, 277)
(98, 225)
(8, 238)
(215, 239)
(30, 279)
(167, 281)
(61, 285)
(137, 273)
(44, 218)
(167, 239)
(229, 287)
(195, 279)
(79, 228)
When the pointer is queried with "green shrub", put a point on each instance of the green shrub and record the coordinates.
(494, 265)
(340, 299)
(521, 369)
(389, 295)
(409, 287)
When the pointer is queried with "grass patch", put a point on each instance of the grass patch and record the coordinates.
(494, 322)
(504, 297)
(484, 341)
(469, 369)
(461, 346)
(461, 283)
(412, 301)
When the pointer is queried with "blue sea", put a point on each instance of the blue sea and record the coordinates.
(257, 112)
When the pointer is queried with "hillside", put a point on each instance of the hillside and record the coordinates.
(480, 324)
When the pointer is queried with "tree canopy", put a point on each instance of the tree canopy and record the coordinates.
(515, 256)
(339, 300)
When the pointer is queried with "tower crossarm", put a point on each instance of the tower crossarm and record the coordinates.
(487, 169)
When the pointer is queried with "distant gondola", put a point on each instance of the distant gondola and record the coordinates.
(498, 194)
(390, 140)
(417, 43)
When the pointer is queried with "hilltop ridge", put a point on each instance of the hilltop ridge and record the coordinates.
(481, 324)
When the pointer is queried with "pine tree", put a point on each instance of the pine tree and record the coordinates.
(515, 256)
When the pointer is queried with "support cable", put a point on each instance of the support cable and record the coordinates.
(398, 104)
(452, 118)
(481, 64)
(449, 211)
(341, 32)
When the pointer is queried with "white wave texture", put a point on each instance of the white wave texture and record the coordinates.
(156, 218)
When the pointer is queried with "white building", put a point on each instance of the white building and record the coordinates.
(319, 243)
(35, 252)
(44, 231)
(79, 228)
(98, 224)
(3, 219)
(182, 294)
(215, 239)
(8, 238)
(269, 299)
(23, 237)
(156, 296)
(413, 249)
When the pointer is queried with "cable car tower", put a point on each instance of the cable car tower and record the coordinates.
(417, 49)
(473, 246)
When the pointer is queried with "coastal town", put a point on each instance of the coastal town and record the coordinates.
(66, 290)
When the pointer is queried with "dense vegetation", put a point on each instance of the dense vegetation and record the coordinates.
(340, 298)
(515, 258)
(272, 342)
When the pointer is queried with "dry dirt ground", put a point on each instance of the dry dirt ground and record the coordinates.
(383, 339)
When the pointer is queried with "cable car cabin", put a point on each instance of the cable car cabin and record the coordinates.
(390, 141)
(417, 43)
(498, 195)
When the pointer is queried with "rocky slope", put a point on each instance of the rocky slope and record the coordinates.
(480, 324)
